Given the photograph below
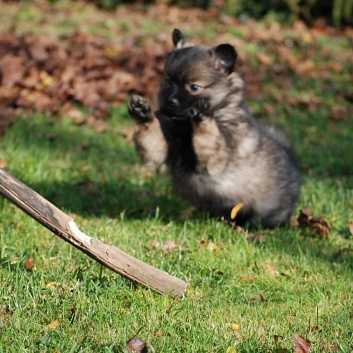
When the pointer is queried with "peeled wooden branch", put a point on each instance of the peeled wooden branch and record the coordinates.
(62, 225)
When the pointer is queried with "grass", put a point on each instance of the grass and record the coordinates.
(289, 281)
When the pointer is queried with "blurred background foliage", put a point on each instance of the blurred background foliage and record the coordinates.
(334, 12)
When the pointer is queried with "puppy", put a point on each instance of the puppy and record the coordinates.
(219, 156)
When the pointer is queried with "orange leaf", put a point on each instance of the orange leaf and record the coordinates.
(30, 265)
(235, 327)
(51, 285)
(236, 209)
(53, 325)
(265, 59)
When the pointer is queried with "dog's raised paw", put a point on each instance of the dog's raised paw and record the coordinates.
(199, 111)
(139, 109)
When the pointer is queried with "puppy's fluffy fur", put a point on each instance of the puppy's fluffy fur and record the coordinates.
(218, 154)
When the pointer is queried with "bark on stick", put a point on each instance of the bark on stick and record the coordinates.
(62, 225)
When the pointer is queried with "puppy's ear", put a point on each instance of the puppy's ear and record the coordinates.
(226, 56)
(178, 39)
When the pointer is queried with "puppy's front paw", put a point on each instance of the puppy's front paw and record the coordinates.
(139, 109)
(199, 111)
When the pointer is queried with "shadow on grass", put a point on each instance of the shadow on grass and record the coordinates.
(98, 175)
(85, 172)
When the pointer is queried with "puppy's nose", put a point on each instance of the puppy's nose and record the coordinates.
(173, 102)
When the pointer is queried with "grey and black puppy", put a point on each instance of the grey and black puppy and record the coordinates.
(218, 154)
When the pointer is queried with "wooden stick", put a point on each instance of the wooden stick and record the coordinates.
(62, 225)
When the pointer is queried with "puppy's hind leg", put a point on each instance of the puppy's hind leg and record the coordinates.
(149, 139)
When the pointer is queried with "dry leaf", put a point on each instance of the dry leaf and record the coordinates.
(265, 59)
(235, 327)
(170, 245)
(320, 226)
(212, 247)
(158, 334)
(231, 350)
(51, 285)
(304, 216)
(136, 345)
(53, 325)
(276, 338)
(30, 265)
(261, 298)
(271, 270)
(236, 209)
(302, 345)
(256, 237)
(3, 163)
(317, 224)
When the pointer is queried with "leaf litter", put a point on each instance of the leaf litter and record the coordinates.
(58, 73)
(317, 224)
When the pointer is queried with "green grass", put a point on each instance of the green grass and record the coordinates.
(289, 281)
(302, 281)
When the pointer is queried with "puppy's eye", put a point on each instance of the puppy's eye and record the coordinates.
(194, 87)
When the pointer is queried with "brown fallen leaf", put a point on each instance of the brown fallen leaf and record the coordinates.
(302, 345)
(314, 328)
(136, 345)
(316, 223)
(277, 338)
(320, 226)
(265, 59)
(271, 270)
(212, 247)
(30, 265)
(53, 325)
(304, 216)
(51, 285)
(170, 245)
(256, 237)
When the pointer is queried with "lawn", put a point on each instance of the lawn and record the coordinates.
(247, 292)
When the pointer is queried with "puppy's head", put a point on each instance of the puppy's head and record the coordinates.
(194, 71)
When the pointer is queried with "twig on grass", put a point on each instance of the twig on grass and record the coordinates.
(62, 225)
